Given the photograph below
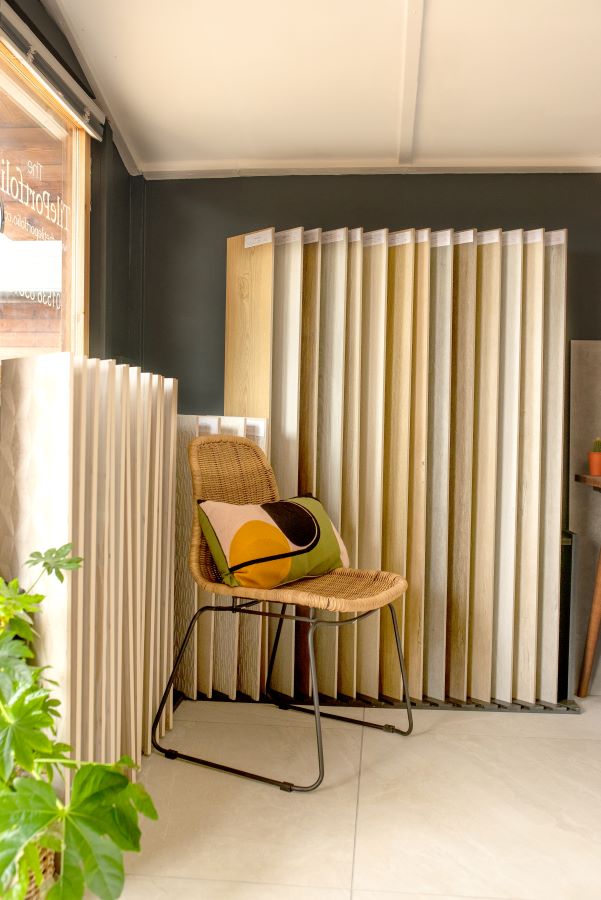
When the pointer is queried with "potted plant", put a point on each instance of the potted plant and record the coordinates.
(594, 458)
(90, 831)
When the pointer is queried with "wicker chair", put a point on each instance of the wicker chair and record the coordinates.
(235, 470)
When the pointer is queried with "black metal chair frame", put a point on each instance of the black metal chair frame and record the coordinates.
(244, 608)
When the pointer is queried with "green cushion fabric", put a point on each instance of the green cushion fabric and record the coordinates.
(265, 545)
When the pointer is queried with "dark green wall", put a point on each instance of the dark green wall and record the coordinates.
(188, 221)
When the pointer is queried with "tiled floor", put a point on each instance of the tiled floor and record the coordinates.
(478, 805)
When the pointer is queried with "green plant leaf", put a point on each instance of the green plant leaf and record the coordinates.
(101, 859)
(30, 808)
(22, 723)
(70, 884)
(54, 561)
(31, 856)
(141, 800)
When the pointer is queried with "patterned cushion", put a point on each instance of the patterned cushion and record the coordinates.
(264, 545)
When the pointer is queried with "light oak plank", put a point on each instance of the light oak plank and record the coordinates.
(507, 470)
(371, 452)
(148, 438)
(79, 523)
(248, 324)
(205, 631)
(347, 637)
(395, 512)
(120, 544)
(529, 485)
(554, 356)
(168, 542)
(185, 599)
(460, 489)
(136, 533)
(439, 445)
(486, 404)
(285, 361)
(418, 461)
(307, 463)
(91, 556)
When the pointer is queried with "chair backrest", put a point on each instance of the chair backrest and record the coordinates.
(232, 470)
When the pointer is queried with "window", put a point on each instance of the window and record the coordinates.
(44, 166)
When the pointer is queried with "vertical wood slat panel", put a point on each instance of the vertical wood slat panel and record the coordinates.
(147, 399)
(309, 372)
(395, 507)
(128, 714)
(186, 592)
(248, 324)
(371, 453)
(507, 471)
(205, 630)
(330, 405)
(439, 446)
(103, 623)
(554, 353)
(119, 537)
(168, 544)
(418, 460)
(285, 362)
(90, 554)
(347, 638)
(462, 417)
(529, 487)
(136, 501)
(486, 401)
(79, 518)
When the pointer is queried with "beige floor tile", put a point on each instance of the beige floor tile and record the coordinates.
(477, 816)
(213, 825)
(587, 725)
(400, 895)
(210, 711)
(144, 887)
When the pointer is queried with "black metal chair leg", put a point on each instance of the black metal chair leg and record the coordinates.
(397, 637)
(274, 651)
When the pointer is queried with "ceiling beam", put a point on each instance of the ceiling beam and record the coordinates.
(410, 49)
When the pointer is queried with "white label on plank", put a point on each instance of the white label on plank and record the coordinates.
(288, 237)
(374, 237)
(259, 237)
(489, 237)
(311, 237)
(512, 237)
(422, 235)
(555, 237)
(399, 237)
(330, 237)
(533, 237)
(354, 235)
(464, 237)
(441, 238)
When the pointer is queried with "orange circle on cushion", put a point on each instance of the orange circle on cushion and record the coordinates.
(255, 540)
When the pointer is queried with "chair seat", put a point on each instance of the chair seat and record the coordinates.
(342, 590)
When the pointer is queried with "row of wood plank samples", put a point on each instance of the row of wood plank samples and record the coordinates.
(414, 382)
(87, 456)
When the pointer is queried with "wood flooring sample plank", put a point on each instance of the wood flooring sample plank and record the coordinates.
(460, 495)
(347, 636)
(418, 462)
(486, 405)
(309, 373)
(554, 396)
(248, 324)
(439, 444)
(529, 483)
(397, 404)
(507, 466)
(371, 452)
(285, 362)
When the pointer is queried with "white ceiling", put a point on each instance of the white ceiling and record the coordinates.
(202, 88)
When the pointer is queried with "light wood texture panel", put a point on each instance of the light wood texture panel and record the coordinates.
(307, 470)
(507, 468)
(554, 396)
(168, 542)
(347, 637)
(128, 715)
(248, 324)
(371, 452)
(186, 594)
(136, 434)
(418, 460)
(119, 670)
(205, 631)
(439, 444)
(285, 363)
(486, 401)
(529, 487)
(90, 555)
(395, 511)
(78, 595)
(460, 490)
(332, 324)
(147, 394)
